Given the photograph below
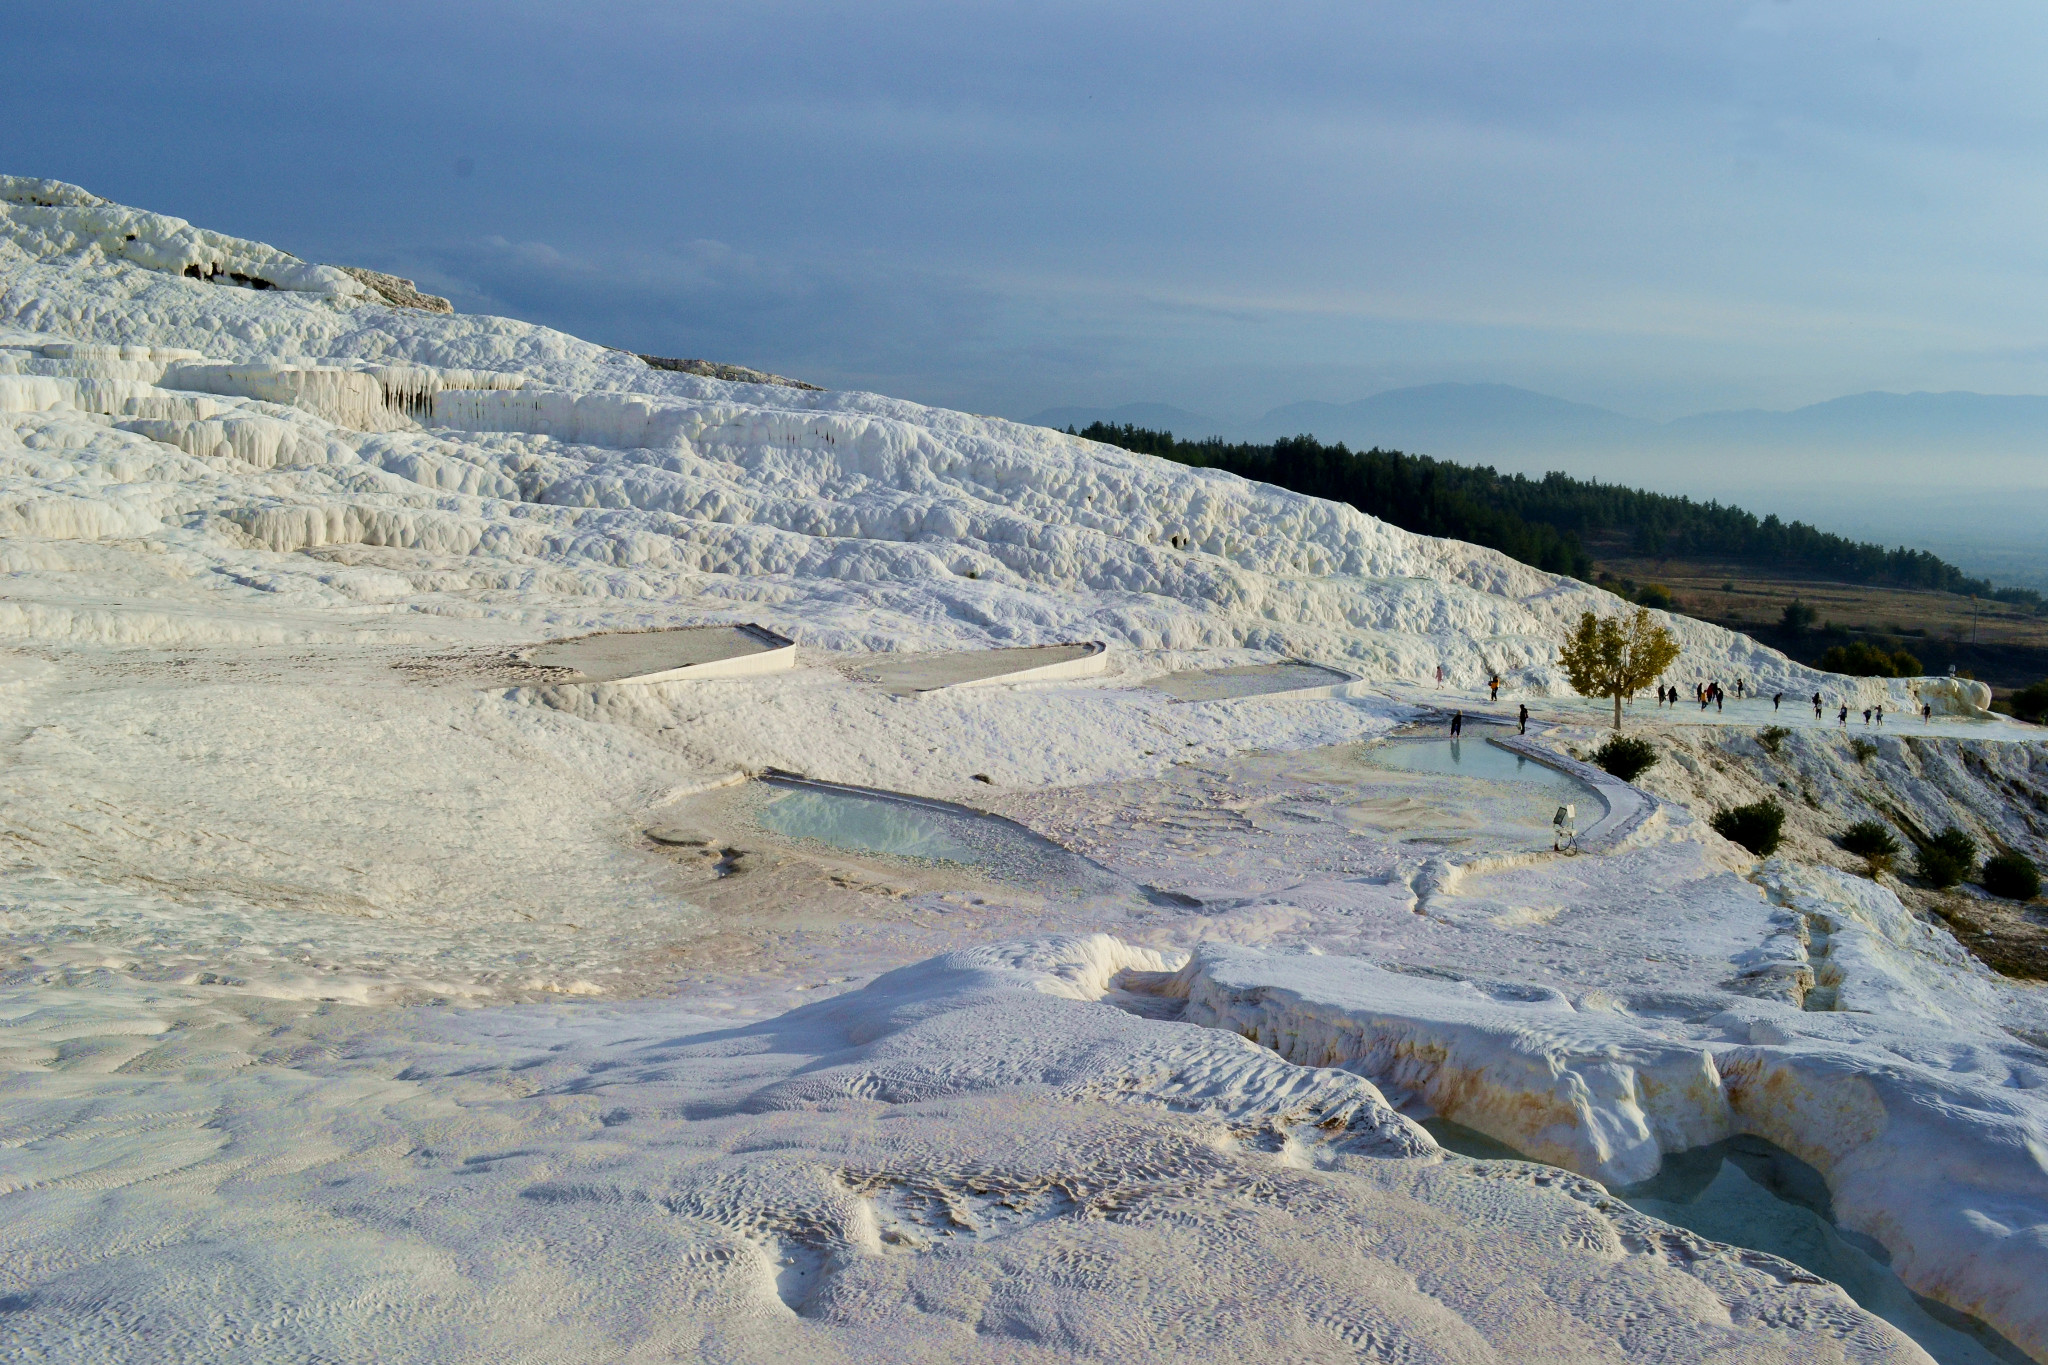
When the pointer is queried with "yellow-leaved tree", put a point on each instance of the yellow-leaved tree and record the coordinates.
(1608, 657)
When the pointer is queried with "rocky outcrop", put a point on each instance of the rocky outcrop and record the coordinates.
(736, 374)
(399, 293)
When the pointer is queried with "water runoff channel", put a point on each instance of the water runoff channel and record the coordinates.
(1743, 1191)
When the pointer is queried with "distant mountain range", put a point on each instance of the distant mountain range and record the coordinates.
(1892, 438)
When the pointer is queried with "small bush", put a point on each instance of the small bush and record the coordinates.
(1869, 839)
(2031, 703)
(1771, 736)
(1873, 843)
(1947, 858)
(1654, 595)
(1864, 749)
(1957, 845)
(1862, 659)
(1758, 827)
(1938, 869)
(1626, 757)
(2013, 876)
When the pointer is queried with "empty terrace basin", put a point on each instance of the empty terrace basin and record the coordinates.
(905, 674)
(645, 656)
(1293, 678)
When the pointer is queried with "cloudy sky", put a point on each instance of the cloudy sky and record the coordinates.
(1657, 208)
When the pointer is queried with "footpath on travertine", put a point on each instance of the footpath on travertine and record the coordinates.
(1748, 712)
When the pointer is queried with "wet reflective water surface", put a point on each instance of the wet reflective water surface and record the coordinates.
(930, 832)
(1751, 1193)
(1472, 756)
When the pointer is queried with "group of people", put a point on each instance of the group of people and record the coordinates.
(1521, 722)
(1705, 693)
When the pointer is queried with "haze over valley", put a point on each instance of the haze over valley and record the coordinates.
(1900, 468)
(570, 796)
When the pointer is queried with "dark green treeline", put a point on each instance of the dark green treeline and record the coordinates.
(1548, 522)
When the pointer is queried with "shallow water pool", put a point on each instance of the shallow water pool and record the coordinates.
(1472, 756)
(1750, 1193)
(930, 832)
(865, 825)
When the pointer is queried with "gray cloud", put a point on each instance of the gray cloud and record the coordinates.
(1657, 208)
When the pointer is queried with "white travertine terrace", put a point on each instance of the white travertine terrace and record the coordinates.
(349, 1011)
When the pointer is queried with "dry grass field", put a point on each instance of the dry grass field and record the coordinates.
(2005, 645)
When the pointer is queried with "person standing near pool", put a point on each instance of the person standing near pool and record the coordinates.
(1523, 721)
(1457, 724)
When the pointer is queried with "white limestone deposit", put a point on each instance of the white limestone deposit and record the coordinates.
(370, 989)
(952, 1164)
(1935, 1150)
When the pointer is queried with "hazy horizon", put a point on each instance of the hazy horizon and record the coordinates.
(1808, 464)
(1657, 212)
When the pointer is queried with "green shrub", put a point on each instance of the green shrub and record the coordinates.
(1771, 736)
(1626, 757)
(2013, 876)
(1862, 659)
(1758, 827)
(1947, 858)
(1872, 842)
(2031, 703)
(1869, 838)
(1957, 845)
(1938, 869)
(1654, 595)
(1864, 749)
